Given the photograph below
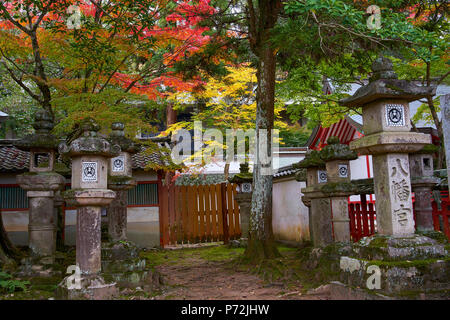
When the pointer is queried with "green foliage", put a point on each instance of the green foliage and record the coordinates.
(106, 107)
(18, 105)
(294, 137)
(10, 285)
(424, 113)
(335, 43)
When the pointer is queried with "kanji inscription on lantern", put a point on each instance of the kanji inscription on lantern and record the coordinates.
(322, 176)
(343, 171)
(395, 115)
(400, 190)
(402, 215)
(89, 172)
(118, 164)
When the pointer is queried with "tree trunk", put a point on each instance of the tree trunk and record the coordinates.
(436, 120)
(261, 244)
(7, 251)
(171, 118)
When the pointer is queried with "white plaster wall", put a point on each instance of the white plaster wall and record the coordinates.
(290, 216)
(358, 170)
(18, 220)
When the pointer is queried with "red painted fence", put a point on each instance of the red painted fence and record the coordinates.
(441, 216)
(363, 217)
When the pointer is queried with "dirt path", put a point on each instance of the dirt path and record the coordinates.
(194, 278)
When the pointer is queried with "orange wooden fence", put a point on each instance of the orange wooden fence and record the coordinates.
(193, 214)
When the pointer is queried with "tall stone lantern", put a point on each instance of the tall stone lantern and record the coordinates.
(388, 138)
(422, 183)
(90, 155)
(320, 207)
(338, 187)
(120, 180)
(41, 183)
(244, 180)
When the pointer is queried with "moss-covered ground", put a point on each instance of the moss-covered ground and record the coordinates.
(214, 271)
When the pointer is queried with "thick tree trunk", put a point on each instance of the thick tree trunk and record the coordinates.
(7, 251)
(261, 243)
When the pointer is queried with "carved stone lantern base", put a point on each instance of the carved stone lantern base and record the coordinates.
(245, 203)
(41, 188)
(320, 218)
(93, 286)
(411, 267)
(117, 210)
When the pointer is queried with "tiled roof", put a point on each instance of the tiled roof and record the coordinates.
(142, 159)
(15, 160)
(285, 172)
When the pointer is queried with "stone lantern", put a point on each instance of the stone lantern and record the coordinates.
(394, 262)
(90, 155)
(388, 138)
(320, 208)
(338, 187)
(422, 183)
(41, 183)
(120, 180)
(244, 180)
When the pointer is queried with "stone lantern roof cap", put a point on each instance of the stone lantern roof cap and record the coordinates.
(42, 139)
(337, 151)
(90, 143)
(244, 176)
(312, 160)
(384, 84)
(118, 137)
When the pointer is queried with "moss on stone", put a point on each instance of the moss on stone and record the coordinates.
(241, 177)
(379, 242)
(337, 187)
(336, 151)
(71, 193)
(119, 179)
(419, 264)
(312, 160)
(440, 237)
(429, 149)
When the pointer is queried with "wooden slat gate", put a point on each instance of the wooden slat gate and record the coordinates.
(194, 214)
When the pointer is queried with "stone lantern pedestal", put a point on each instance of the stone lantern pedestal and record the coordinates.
(422, 183)
(244, 180)
(120, 180)
(338, 187)
(89, 194)
(395, 262)
(41, 183)
(120, 257)
(320, 207)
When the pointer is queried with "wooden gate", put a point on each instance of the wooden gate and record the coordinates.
(194, 214)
